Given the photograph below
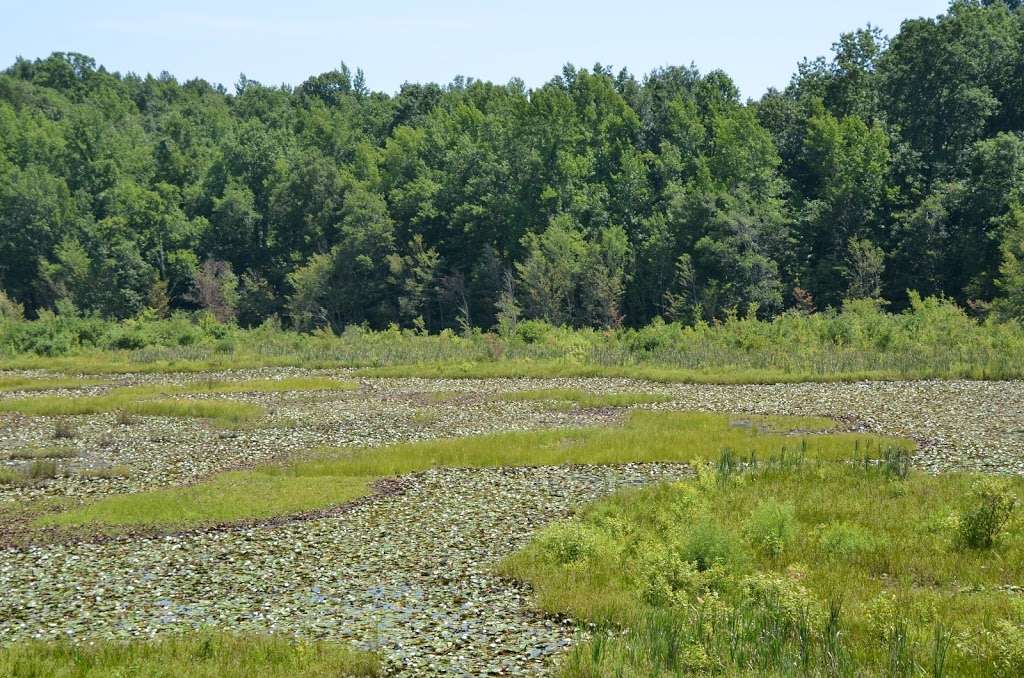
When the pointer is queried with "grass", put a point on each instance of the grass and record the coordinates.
(31, 453)
(227, 497)
(340, 475)
(224, 412)
(109, 472)
(211, 386)
(934, 338)
(813, 568)
(148, 400)
(40, 469)
(569, 397)
(198, 655)
(525, 369)
(18, 383)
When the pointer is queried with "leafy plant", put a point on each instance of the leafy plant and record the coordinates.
(986, 512)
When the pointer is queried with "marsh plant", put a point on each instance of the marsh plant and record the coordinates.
(790, 570)
(64, 430)
(985, 512)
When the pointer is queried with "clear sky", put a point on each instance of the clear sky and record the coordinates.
(758, 43)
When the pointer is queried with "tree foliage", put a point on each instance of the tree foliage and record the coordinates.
(597, 199)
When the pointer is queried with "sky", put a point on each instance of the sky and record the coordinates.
(758, 43)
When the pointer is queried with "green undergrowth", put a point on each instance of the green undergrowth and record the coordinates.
(934, 338)
(799, 568)
(198, 655)
(342, 474)
(563, 397)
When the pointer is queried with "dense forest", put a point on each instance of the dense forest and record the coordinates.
(598, 199)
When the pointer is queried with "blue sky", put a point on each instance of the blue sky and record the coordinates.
(758, 43)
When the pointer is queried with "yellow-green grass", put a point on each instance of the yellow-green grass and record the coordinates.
(211, 386)
(147, 400)
(31, 453)
(20, 383)
(340, 475)
(205, 654)
(226, 412)
(115, 362)
(739, 574)
(568, 397)
(227, 497)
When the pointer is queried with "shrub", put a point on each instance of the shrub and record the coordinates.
(782, 598)
(845, 541)
(533, 331)
(567, 543)
(771, 527)
(709, 544)
(1010, 648)
(986, 512)
(667, 579)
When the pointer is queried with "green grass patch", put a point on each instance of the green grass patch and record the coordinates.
(197, 655)
(227, 497)
(18, 383)
(812, 568)
(340, 475)
(151, 400)
(226, 412)
(568, 397)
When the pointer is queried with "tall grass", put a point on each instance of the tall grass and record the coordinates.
(199, 655)
(23, 383)
(339, 475)
(864, 576)
(933, 339)
(225, 412)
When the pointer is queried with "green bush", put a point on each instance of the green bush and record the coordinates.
(986, 512)
(770, 528)
(567, 543)
(533, 331)
(841, 540)
(709, 544)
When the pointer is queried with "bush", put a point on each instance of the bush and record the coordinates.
(567, 543)
(771, 527)
(846, 541)
(709, 544)
(986, 512)
(533, 331)
(667, 579)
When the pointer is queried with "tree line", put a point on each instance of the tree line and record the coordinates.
(598, 199)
